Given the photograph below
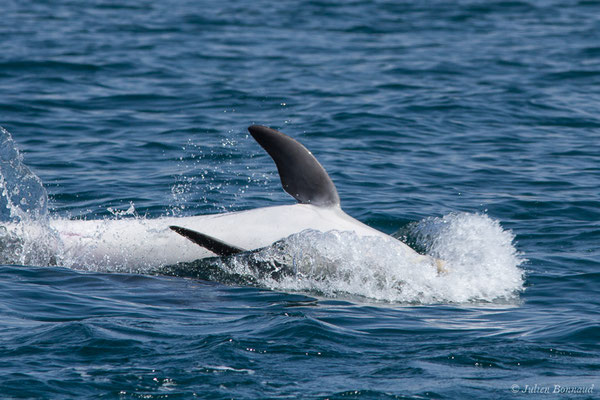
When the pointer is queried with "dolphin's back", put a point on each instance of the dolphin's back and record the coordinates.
(144, 242)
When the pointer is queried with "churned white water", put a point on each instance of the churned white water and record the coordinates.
(477, 263)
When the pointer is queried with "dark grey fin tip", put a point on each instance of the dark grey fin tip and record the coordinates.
(208, 242)
(301, 174)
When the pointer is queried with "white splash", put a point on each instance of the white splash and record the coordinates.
(23, 206)
(22, 195)
(121, 213)
(480, 263)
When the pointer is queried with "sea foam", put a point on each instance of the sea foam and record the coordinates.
(473, 259)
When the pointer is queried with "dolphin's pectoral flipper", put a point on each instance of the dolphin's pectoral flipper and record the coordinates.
(210, 243)
(301, 174)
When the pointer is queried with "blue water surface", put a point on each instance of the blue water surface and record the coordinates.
(418, 110)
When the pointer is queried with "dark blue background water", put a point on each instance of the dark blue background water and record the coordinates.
(417, 109)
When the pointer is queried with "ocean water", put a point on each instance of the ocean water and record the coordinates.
(468, 129)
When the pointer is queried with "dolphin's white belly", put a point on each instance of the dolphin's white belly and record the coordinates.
(150, 242)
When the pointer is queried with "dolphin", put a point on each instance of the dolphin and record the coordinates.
(132, 243)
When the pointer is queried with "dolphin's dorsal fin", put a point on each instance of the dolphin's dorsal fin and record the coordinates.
(301, 174)
(208, 242)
